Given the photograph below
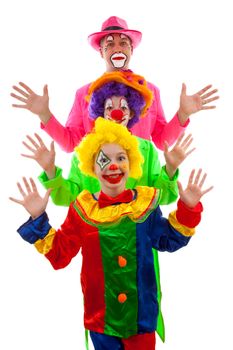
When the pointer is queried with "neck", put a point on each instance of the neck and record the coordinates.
(113, 69)
(113, 192)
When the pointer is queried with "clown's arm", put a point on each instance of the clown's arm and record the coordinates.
(67, 136)
(175, 232)
(165, 178)
(177, 154)
(64, 191)
(189, 104)
(59, 246)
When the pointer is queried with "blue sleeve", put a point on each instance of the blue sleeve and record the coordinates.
(164, 237)
(32, 230)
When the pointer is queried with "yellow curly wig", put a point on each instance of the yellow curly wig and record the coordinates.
(106, 131)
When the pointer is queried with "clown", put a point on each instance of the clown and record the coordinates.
(121, 97)
(116, 230)
(115, 43)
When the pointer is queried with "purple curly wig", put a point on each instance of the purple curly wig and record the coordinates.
(134, 98)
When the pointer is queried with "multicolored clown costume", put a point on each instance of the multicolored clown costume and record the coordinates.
(116, 239)
(139, 98)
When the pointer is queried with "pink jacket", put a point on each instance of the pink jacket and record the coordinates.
(152, 127)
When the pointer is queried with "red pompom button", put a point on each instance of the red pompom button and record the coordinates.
(122, 262)
(122, 298)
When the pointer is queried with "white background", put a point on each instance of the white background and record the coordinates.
(183, 41)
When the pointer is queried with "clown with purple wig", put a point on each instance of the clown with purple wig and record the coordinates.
(122, 97)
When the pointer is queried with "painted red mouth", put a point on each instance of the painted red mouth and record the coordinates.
(118, 58)
(113, 178)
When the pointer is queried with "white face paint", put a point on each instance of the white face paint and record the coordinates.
(117, 103)
(118, 59)
(116, 50)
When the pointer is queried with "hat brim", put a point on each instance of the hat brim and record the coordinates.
(137, 82)
(95, 38)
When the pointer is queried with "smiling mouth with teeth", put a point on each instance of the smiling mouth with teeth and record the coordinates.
(113, 178)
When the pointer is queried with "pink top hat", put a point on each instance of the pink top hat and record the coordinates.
(114, 24)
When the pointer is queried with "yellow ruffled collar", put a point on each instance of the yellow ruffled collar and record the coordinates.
(147, 199)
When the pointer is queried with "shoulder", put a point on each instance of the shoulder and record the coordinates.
(83, 90)
(152, 87)
(146, 145)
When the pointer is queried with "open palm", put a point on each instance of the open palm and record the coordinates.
(31, 101)
(40, 153)
(32, 201)
(193, 192)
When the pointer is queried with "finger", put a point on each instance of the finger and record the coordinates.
(189, 152)
(210, 93)
(20, 91)
(165, 147)
(47, 194)
(21, 189)
(19, 106)
(187, 140)
(28, 188)
(186, 146)
(180, 187)
(183, 89)
(180, 138)
(204, 89)
(202, 180)
(32, 141)
(196, 180)
(45, 90)
(208, 107)
(16, 200)
(27, 88)
(28, 147)
(191, 176)
(52, 147)
(33, 184)
(27, 156)
(210, 100)
(207, 190)
(22, 99)
(40, 140)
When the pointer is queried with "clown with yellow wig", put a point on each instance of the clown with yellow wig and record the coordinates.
(116, 229)
(122, 97)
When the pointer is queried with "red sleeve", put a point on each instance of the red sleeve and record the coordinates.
(67, 241)
(189, 217)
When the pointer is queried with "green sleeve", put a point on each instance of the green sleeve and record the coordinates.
(65, 191)
(154, 175)
(168, 187)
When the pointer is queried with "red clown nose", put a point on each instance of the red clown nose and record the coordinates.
(117, 114)
(113, 167)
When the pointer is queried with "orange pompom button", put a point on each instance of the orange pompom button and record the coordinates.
(122, 298)
(122, 262)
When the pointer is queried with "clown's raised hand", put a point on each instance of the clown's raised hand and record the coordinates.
(32, 102)
(41, 154)
(190, 104)
(192, 194)
(177, 154)
(32, 201)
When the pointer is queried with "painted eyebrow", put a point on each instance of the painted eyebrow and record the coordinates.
(122, 153)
